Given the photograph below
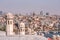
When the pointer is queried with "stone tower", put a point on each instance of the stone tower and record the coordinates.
(9, 27)
(22, 28)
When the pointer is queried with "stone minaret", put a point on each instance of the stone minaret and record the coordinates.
(22, 28)
(9, 27)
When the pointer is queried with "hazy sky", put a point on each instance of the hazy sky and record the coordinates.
(28, 6)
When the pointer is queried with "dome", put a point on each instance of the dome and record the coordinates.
(9, 15)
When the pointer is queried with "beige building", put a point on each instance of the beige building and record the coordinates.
(9, 27)
(22, 28)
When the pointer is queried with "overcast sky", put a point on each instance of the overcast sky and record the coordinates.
(28, 6)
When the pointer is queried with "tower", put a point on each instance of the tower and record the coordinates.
(9, 27)
(22, 28)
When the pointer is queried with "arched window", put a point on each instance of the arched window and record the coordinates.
(9, 22)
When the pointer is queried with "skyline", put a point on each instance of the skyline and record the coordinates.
(28, 6)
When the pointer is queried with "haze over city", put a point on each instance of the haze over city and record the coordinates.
(29, 6)
(30, 19)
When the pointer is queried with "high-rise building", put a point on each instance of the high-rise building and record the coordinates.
(1, 12)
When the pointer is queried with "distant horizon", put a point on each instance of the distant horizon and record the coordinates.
(28, 13)
(30, 6)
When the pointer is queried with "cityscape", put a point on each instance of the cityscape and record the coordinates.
(39, 25)
(29, 19)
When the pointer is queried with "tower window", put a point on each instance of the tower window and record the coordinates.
(9, 22)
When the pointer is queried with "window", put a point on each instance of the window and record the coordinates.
(9, 22)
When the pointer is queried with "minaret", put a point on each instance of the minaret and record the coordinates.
(22, 28)
(9, 27)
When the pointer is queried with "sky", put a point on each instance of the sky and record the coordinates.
(29, 6)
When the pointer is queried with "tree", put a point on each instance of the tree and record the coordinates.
(2, 28)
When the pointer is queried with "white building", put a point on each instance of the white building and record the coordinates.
(22, 28)
(9, 27)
